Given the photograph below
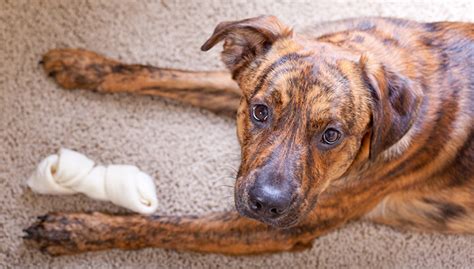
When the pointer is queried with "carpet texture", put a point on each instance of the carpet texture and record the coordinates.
(191, 153)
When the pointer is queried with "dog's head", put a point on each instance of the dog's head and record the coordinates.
(310, 111)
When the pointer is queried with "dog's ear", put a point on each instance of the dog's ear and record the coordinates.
(395, 103)
(245, 39)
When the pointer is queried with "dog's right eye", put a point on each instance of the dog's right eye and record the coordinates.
(260, 112)
(331, 136)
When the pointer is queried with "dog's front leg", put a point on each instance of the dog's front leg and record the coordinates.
(227, 233)
(81, 69)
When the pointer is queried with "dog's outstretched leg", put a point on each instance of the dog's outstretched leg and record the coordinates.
(227, 233)
(81, 69)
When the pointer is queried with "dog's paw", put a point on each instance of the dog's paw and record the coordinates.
(52, 234)
(77, 68)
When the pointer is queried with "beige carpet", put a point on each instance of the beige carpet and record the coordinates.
(191, 153)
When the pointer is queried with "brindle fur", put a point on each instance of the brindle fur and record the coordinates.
(402, 91)
(76, 68)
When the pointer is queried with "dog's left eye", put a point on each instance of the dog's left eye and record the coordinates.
(331, 136)
(260, 112)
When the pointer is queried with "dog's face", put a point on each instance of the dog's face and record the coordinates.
(303, 120)
(300, 124)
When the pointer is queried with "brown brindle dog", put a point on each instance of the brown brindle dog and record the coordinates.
(366, 118)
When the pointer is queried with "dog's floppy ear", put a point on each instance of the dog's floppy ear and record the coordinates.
(245, 39)
(395, 102)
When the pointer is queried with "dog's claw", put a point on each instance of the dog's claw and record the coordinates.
(42, 217)
(28, 235)
(33, 233)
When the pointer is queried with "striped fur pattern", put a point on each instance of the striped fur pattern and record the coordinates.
(407, 85)
(400, 93)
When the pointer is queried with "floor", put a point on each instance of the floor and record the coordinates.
(191, 153)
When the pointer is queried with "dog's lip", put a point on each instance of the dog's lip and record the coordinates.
(291, 218)
(281, 222)
(284, 223)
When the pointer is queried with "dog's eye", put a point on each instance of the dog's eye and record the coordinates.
(260, 113)
(331, 136)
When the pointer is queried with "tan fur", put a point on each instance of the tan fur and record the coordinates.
(401, 93)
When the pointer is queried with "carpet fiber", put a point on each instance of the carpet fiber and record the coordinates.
(191, 153)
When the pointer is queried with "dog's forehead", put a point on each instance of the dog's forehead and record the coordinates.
(315, 87)
(299, 77)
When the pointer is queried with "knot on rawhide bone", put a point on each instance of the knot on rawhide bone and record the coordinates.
(70, 172)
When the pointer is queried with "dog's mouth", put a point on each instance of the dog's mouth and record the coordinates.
(283, 222)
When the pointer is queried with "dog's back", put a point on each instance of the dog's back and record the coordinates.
(434, 163)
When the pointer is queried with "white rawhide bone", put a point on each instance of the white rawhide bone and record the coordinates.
(71, 172)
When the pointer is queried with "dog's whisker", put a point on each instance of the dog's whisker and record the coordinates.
(230, 186)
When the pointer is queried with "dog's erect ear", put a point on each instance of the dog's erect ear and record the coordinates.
(395, 103)
(246, 39)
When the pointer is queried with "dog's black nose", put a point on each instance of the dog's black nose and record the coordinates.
(270, 201)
